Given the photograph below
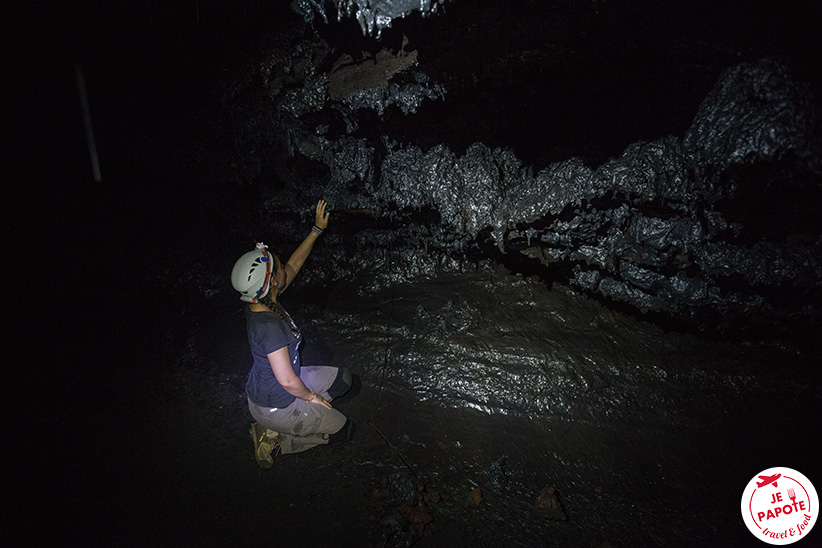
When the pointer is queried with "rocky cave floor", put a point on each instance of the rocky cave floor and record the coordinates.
(647, 437)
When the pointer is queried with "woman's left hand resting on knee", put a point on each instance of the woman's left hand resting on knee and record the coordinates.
(294, 385)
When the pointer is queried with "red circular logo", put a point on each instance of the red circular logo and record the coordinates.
(780, 506)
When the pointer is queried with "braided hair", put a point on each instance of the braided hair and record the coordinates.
(269, 302)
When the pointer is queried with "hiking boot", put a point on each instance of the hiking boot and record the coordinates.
(266, 445)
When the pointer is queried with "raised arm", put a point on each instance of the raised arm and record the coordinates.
(297, 259)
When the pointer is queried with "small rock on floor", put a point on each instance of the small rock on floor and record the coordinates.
(550, 505)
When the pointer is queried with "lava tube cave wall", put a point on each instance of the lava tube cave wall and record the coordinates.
(573, 262)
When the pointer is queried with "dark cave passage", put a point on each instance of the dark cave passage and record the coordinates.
(573, 245)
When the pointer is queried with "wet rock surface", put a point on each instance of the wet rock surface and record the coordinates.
(467, 419)
(673, 225)
(472, 278)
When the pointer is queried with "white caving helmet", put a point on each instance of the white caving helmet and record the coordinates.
(252, 273)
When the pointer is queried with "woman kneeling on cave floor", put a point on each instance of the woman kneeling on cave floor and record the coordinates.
(289, 402)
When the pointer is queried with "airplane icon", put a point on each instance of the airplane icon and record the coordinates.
(768, 479)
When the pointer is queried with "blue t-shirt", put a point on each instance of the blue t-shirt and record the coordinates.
(267, 332)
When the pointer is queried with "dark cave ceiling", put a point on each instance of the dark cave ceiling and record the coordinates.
(662, 157)
(573, 78)
(651, 157)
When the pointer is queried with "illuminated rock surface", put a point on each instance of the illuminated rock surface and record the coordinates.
(574, 257)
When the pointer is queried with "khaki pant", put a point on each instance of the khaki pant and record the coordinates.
(303, 425)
